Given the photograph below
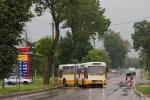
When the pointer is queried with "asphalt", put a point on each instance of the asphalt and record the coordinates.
(41, 90)
(143, 82)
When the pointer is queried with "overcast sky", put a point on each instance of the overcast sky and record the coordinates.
(122, 13)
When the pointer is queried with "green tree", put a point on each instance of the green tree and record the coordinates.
(42, 62)
(59, 11)
(44, 49)
(44, 45)
(141, 57)
(141, 38)
(65, 49)
(86, 18)
(126, 61)
(146, 62)
(82, 47)
(124, 50)
(13, 15)
(67, 11)
(66, 54)
(97, 55)
(128, 45)
(115, 47)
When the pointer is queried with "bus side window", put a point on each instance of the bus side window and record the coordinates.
(68, 69)
(72, 70)
(64, 69)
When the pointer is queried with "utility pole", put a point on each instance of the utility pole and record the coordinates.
(26, 37)
(53, 67)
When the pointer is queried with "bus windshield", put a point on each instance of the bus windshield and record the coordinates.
(96, 70)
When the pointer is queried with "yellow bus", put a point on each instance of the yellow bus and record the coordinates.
(83, 74)
(92, 74)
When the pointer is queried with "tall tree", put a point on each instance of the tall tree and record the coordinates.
(13, 15)
(66, 46)
(68, 10)
(86, 17)
(115, 47)
(44, 45)
(59, 11)
(128, 45)
(141, 57)
(65, 49)
(44, 49)
(141, 38)
(83, 46)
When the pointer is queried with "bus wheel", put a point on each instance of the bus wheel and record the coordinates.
(64, 82)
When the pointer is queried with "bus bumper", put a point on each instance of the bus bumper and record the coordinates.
(104, 82)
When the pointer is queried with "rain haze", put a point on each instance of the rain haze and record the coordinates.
(122, 13)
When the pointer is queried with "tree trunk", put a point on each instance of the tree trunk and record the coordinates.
(48, 68)
(53, 72)
(47, 71)
(3, 84)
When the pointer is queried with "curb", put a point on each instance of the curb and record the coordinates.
(139, 93)
(27, 92)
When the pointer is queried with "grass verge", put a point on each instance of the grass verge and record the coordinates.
(38, 84)
(143, 89)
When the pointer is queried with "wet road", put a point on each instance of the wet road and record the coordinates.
(115, 89)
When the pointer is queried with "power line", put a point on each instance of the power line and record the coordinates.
(129, 21)
(45, 22)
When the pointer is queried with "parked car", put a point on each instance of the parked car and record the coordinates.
(12, 80)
